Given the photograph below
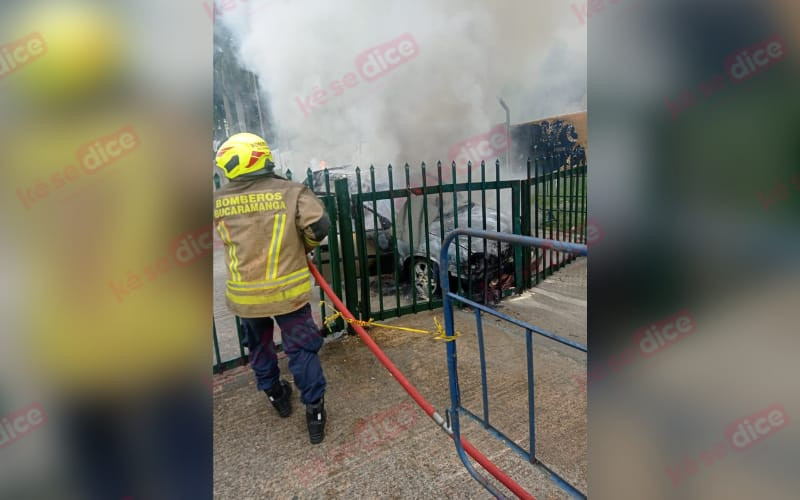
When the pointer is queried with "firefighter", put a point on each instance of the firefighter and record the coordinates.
(268, 224)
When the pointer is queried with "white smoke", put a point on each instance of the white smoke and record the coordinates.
(530, 52)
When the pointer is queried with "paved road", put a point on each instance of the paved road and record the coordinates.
(380, 445)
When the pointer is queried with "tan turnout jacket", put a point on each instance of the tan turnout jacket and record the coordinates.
(268, 225)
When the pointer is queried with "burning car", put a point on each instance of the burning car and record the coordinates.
(470, 259)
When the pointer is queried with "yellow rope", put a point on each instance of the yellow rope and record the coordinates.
(439, 334)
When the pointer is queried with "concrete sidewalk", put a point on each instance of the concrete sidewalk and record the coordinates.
(379, 444)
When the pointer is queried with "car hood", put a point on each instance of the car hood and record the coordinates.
(473, 218)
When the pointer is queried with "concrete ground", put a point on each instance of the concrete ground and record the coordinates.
(379, 444)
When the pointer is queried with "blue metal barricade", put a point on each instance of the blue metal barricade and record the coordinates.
(455, 395)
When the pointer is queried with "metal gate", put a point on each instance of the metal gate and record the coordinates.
(456, 408)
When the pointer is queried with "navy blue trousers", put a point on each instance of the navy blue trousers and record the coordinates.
(301, 342)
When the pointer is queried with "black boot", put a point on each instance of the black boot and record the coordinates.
(279, 397)
(315, 417)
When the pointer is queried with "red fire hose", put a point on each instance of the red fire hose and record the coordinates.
(412, 391)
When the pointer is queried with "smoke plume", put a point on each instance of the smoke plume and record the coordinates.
(468, 53)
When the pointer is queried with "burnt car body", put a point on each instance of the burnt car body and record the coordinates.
(469, 258)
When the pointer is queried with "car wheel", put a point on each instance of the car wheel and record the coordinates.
(425, 273)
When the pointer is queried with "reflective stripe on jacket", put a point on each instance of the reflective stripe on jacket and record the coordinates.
(267, 225)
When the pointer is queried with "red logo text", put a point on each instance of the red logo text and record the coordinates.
(15, 426)
(754, 428)
(102, 152)
(748, 62)
(486, 146)
(19, 53)
(664, 333)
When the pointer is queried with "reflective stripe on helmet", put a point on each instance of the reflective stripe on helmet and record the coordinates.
(244, 154)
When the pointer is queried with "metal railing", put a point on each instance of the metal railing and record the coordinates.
(455, 394)
(549, 202)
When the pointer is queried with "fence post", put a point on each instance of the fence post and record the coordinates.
(333, 244)
(218, 365)
(240, 335)
(378, 252)
(516, 200)
(395, 254)
(455, 224)
(568, 193)
(526, 228)
(470, 279)
(427, 233)
(361, 248)
(485, 243)
(537, 256)
(346, 241)
(412, 259)
(583, 208)
(552, 218)
(499, 212)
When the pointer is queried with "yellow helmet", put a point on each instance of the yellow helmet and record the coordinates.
(244, 154)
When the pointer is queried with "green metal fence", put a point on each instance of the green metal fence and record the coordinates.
(387, 227)
(556, 195)
(440, 207)
(549, 201)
